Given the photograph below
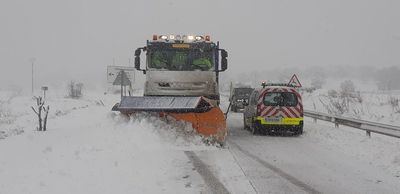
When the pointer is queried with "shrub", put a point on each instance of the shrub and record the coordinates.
(75, 89)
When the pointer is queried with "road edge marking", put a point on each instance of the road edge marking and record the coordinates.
(212, 182)
(278, 171)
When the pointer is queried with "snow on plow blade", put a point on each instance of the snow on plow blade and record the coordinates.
(206, 119)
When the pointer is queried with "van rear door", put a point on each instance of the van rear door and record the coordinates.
(278, 103)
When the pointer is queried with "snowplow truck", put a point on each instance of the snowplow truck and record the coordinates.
(182, 75)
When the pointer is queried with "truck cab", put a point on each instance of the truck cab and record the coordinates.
(182, 65)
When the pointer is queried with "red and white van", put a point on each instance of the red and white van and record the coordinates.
(275, 108)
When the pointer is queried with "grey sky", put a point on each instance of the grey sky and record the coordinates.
(76, 39)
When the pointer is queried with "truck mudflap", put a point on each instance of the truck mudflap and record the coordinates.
(206, 119)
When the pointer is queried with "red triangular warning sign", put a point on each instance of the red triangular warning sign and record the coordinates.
(294, 81)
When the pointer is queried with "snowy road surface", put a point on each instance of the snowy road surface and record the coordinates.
(296, 164)
(90, 150)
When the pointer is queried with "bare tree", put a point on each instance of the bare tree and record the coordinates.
(46, 111)
(395, 104)
(347, 88)
(38, 111)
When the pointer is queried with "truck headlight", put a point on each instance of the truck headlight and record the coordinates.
(199, 37)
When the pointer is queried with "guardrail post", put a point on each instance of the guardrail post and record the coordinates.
(368, 133)
(315, 120)
(336, 123)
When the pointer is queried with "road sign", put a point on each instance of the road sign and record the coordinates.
(114, 71)
(294, 81)
(122, 79)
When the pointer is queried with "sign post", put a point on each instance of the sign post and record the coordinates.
(44, 88)
(121, 76)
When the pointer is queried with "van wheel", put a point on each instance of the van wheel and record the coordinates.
(267, 131)
(255, 127)
(299, 130)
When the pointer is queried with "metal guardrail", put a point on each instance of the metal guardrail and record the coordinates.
(384, 129)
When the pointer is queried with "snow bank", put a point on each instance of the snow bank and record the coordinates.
(89, 149)
(380, 151)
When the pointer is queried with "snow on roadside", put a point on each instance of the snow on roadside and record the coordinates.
(381, 151)
(88, 149)
(8, 116)
(374, 105)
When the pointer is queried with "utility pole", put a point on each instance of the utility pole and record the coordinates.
(32, 60)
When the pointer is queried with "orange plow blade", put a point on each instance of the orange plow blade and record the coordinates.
(206, 119)
(210, 124)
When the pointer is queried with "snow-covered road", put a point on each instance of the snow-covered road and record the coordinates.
(88, 149)
(295, 164)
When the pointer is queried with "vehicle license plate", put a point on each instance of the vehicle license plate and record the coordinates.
(273, 119)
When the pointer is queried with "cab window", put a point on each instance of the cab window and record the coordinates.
(181, 59)
(280, 99)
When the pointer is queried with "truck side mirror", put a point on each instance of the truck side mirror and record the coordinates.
(224, 54)
(137, 52)
(137, 63)
(224, 64)
(224, 61)
(137, 59)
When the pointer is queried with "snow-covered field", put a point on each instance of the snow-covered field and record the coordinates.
(89, 149)
(369, 104)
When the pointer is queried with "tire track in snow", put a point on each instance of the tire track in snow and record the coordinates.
(212, 182)
(278, 171)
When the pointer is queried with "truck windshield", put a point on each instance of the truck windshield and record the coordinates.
(280, 99)
(181, 59)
